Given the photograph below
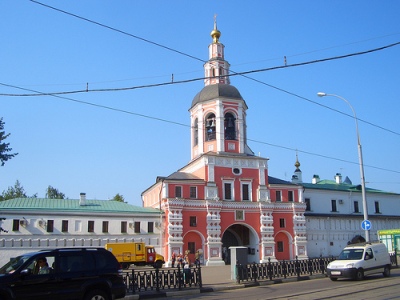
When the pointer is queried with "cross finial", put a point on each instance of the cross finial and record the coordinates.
(215, 34)
(297, 163)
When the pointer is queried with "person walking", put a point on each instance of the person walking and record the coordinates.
(197, 258)
(173, 259)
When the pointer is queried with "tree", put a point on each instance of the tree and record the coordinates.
(1, 228)
(16, 191)
(53, 193)
(118, 198)
(4, 147)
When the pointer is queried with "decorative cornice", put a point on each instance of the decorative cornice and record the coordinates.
(243, 162)
(181, 203)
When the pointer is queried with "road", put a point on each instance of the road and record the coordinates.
(373, 287)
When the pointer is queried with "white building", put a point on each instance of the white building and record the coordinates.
(30, 224)
(334, 212)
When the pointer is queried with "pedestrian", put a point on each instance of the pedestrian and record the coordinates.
(186, 260)
(225, 255)
(180, 260)
(186, 270)
(173, 259)
(197, 258)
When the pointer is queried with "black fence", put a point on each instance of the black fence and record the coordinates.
(292, 268)
(281, 269)
(157, 280)
(162, 279)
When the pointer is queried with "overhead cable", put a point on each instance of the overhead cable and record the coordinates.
(86, 90)
(188, 126)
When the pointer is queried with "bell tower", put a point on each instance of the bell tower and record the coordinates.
(218, 111)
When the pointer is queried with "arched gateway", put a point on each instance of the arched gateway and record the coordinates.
(240, 235)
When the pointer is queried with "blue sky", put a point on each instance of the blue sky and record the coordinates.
(104, 143)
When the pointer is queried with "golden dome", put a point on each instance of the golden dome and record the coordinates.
(215, 34)
(297, 164)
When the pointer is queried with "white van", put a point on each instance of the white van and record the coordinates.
(358, 260)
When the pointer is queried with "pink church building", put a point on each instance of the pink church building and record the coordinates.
(224, 196)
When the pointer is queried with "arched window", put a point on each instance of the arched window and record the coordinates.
(210, 127)
(196, 132)
(230, 127)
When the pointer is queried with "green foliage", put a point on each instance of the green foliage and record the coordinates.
(118, 198)
(53, 193)
(16, 191)
(4, 147)
(1, 228)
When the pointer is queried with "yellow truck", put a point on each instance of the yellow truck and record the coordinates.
(135, 253)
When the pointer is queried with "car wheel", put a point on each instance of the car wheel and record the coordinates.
(96, 295)
(386, 272)
(158, 264)
(333, 278)
(360, 274)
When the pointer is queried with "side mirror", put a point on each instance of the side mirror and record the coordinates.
(26, 272)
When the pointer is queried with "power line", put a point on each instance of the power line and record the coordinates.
(244, 74)
(188, 126)
(117, 30)
(203, 78)
(317, 50)
(323, 156)
(185, 54)
(100, 106)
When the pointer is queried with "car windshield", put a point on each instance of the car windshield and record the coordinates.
(13, 264)
(351, 254)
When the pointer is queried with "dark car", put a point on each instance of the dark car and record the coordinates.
(65, 273)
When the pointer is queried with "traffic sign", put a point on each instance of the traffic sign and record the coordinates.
(366, 225)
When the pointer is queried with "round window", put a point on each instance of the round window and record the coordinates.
(236, 171)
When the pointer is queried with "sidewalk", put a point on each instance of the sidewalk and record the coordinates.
(218, 279)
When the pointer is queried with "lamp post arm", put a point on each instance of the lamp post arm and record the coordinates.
(360, 159)
(354, 113)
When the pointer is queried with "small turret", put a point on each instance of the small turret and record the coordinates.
(297, 176)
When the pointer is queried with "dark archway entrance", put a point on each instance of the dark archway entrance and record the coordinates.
(235, 235)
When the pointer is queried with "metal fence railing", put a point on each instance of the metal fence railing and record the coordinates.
(292, 268)
(162, 279)
(147, 280)
(281, 269)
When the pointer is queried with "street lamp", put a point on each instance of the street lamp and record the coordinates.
(360, 159)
